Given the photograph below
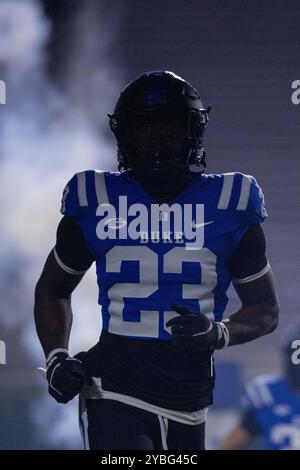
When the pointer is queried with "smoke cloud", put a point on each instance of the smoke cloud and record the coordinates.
(46, 135)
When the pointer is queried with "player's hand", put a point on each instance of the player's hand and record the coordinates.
(66, 375)
(192, 330)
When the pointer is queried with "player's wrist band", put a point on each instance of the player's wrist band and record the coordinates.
(223, 335)
(55, 351)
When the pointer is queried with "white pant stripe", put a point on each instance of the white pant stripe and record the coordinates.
(84, 423)
(163, 422)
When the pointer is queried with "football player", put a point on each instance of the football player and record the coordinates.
(271, 404)
(167, 240)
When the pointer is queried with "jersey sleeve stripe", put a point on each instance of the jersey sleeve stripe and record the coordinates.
(253, 277)
(265, 391)
(253, 395)
(226, 191)
(64, 267)
(245, 193)
(63, 201)
(81, 189)
(100, 186)
(259, 393)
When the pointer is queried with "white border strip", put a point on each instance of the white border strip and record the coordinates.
(81, 189)
(226, 191)
(253, 277)
(100, 188)
(64, 267)
(245, 193)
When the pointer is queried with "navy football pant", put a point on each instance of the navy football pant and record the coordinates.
(112, 425)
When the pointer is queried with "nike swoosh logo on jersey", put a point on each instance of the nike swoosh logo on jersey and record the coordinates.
(201, 224)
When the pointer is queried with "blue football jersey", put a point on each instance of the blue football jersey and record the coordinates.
(276, 409)
(149, 256)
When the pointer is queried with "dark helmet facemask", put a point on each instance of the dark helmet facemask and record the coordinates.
(156, 141)
(166, 100)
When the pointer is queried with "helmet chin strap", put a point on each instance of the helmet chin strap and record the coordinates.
(165, 178)
(199, 164)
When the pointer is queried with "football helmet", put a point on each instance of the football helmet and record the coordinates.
(167, 101)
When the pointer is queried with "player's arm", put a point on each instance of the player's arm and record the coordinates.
(243, 434)
(254, 283)
(258, 315)
(52, 309)
(63, 270)
(237, 439)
